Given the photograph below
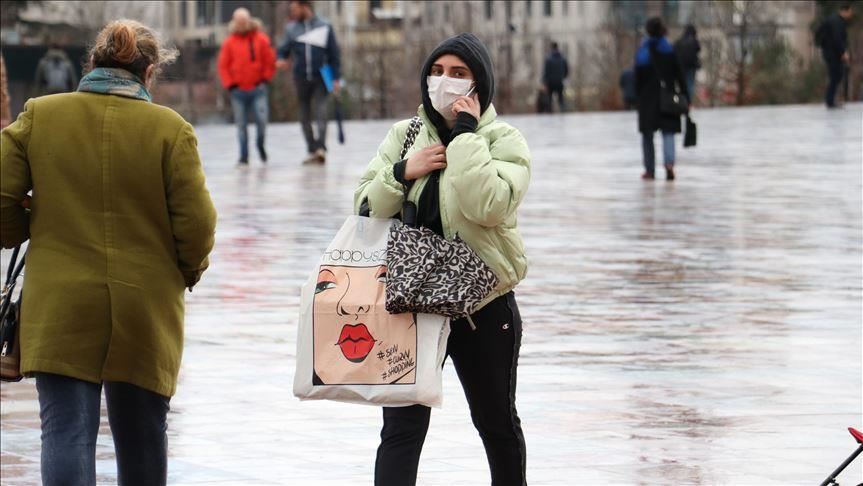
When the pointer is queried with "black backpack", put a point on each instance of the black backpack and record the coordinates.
(822, 34)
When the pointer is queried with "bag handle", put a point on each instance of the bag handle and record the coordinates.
(409, 209)
(12, 274)
(410, 137)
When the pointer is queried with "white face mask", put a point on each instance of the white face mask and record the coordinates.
(444, 90)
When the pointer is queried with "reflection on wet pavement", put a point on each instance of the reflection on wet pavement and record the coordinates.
(705, 331)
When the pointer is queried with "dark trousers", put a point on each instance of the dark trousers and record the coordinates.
(555, 89)
(486, 361)
(835, 71)
(70, 412)
(313, 97)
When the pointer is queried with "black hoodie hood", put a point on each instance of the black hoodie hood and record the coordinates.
(473, 52)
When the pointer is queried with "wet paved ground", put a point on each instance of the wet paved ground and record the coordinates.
(706, 331)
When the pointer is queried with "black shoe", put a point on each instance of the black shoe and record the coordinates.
(669, 172)
(648, 176)
(243, 163)
(263, 154)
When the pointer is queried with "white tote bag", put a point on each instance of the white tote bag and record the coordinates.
(349, 348)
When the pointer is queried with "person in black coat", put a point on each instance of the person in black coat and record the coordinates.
(688, 49)
(554, 72)
(656, 60)
(833, 38)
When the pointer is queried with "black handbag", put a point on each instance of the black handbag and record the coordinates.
(430, 274)
(10, 322)
(671, 101)
(690, 136)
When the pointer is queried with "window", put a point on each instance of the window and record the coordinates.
(373, 4)
(527, 5)
(205, 12)
(508, 10)
(565, 7)
(339, 7)
(184, 14)
(446, 13)
(429, 16)
(546, 8)
(489, 10)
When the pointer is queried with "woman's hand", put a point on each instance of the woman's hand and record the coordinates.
(469, 104)
(424, 161)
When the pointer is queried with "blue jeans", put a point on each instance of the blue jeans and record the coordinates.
(689, 74)
(70, 411)
(649, 153)
(252, 102)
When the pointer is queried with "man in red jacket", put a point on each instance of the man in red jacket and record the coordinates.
(247, 63)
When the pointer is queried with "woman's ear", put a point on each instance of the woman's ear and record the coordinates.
(148, 75)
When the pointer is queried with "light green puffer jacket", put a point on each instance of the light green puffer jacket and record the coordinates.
(486, 178)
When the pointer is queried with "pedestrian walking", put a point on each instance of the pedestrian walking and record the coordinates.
(658, 82)
(688, 48)
(120, 223)
(55, 73)
(832, 37)
(467, 172)
(5, 113)
(247, 63)
(310, 45)
(554, 73)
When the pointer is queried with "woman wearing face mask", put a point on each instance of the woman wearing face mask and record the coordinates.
(467, 172)
(120, 223)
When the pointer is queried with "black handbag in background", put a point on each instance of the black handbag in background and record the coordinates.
(10, 322)
(690, 136)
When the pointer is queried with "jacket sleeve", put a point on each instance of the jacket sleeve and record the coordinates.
(284, 49)
(378, 184)
(489, 181)
(193, 217)
(333, 55)
(224, 64)
(679, 77)
(268, 57)
(15, 181)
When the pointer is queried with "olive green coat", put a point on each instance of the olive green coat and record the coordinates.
(120, 223)
(486, 179)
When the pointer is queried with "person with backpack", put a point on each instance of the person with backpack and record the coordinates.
(832, 38)
(554, 73)
(467, 172)
(55, 73)
(687, 48)
(658, 79)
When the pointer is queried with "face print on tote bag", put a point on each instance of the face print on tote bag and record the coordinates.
(356, 341)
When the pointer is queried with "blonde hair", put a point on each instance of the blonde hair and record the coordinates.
(130, 45)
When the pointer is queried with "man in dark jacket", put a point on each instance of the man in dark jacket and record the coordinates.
(687, 49)
(657, 64)
(832, 36)
(310, 44)
(555, 71)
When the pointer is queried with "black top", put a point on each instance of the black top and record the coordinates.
(835, 41)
